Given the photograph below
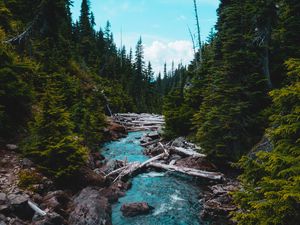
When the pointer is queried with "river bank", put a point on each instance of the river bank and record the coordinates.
(95, 201)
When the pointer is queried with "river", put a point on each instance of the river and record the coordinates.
(175, 197)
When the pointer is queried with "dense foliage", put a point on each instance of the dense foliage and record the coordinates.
(57, 79)
(271, 180)
(247, 87)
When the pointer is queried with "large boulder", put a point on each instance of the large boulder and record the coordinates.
(137, 208)
(114, 131)
(218, 204)
(19, 206)
(56, 201)
(115, 191)
(196, 163)
(90, 208)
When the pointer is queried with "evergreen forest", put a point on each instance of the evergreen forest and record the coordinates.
(239, 98)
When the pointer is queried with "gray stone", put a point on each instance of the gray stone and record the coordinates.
(179, 142)
(19, 206)
(2, 198)
(27, 163)
(90, 208)
(135, 209)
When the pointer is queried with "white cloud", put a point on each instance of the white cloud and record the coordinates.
(160, 52)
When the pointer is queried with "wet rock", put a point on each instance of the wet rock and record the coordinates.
(115, 191)
(134, 209)
(19, 206)
(179, 142)
(90, 208)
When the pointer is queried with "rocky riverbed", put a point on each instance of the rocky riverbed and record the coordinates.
(96, 199)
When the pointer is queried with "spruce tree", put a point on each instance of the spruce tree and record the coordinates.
(229, 120)
(271, 181)
(52, 144)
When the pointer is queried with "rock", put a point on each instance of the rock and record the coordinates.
(90, 208)
(2, 219)
(4, 209)
(196, 163)
(19, 206)
(218, 204)
(37, 198)
(145, 139)
(88, 177)
(11, 147)
(27, 163)
(134, 209)
(179, 142)
(56, 201)
(153, 135)
(2, 198)
(114, 131)
(115, 191)
(49, 219)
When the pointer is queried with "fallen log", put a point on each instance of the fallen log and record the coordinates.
(160, 156)
(150, 143)
(188, 171)
(132, 167)
(116, 171)
(35, 208)
(187, 152)
(165, 150)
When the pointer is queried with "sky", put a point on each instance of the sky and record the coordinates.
(162, 24)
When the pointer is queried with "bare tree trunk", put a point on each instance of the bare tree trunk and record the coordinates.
(266, 65)
(198, 31)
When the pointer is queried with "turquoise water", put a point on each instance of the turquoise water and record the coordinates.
(174, 196)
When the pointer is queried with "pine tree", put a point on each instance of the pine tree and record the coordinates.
(52, 143)
(16, 95)
(271, 181)
(229, 117)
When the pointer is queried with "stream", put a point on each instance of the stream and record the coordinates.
(175, 197)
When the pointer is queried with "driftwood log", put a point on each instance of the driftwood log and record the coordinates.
(188, 171)
(131, 168)
(139, 122)
(136, 122)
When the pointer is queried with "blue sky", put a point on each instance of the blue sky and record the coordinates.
(161, 23)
